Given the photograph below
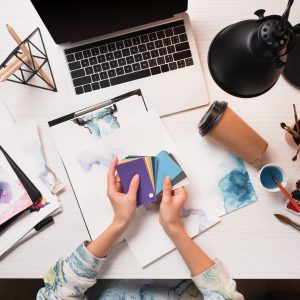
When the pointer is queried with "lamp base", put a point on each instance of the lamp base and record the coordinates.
(291, 71)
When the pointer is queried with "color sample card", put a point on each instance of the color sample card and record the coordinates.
(152, 171)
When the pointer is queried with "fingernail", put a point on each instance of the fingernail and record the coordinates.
(136, 177)
(167, 179)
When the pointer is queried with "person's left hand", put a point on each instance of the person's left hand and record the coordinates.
(124, 205)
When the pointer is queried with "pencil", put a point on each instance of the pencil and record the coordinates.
(287, 194)
(27, 53)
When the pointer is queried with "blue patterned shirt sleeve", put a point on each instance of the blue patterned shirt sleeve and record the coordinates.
(70, 277)
(216, 284)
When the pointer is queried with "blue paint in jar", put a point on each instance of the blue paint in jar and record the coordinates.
(266, 179)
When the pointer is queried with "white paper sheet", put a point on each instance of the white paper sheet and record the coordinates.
(5, 117)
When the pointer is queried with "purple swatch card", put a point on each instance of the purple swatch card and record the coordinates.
(127, 170)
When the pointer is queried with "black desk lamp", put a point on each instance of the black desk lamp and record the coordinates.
(246, 59)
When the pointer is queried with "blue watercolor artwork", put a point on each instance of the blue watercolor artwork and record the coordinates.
(99, 123)
(234, 185)
(5, 193)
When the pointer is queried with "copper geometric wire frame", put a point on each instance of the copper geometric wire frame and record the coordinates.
(32, 70)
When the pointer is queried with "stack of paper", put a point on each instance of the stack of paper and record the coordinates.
(152, 171)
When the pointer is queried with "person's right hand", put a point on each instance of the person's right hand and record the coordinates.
(171, 206)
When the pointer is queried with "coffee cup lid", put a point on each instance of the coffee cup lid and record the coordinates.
(211, 117)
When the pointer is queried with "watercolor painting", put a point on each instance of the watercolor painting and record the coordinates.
(99, 123)
(218, 177)
(235, 186)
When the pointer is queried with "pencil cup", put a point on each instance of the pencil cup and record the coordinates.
(223, 126)
(265, 177)
(292, 141)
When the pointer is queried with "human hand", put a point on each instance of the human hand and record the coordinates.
(171, 206)
(124, 205)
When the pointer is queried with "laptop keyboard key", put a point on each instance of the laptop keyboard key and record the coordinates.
(161, 61)
(103, 49)
(97, 68)
(93, 60)
(167, 42)
(144, 65)
(161, 34)
(142, 48)
(109, 56)
(126, 52)
(183, 37)
(152, 36)
(95, 86)
(78, 55)
(101, 59)
(189, 62)
(174, 39)
(173, 66)
(95, 51)
(111, 47)
(138, 57)
(79, 90)
(169, 32)
(95, 77)
(181, 64)
(117, 54)
(164, 68)
(150, 46)
(120, 71)
(134, 50)
(155, 70)
(182, 46)
(163, 51)
(104, 84)
(113, 64)
(136, 40)
(158, 44)
(169, 58)
(128, 69)
(171, 49)
(130, 60)
(89, 70)
(128, 43)
(74, 65)
(103, 75)
(179, 30)
(77, 73)
(136, 67)
(130, 77)
(82, 80)
(85, 63)
(105, 66)
(182, 55)
(152, 62)
(70, 58)
(154, 53)
(112, 73)
(122, 62)
(120, 45)
(146, 55)
(144, 38)
(87, 88)
(87, 53)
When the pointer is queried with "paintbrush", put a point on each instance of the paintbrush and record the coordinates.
(288, 221)
(298, 131)
(287, 194)
(290, 130)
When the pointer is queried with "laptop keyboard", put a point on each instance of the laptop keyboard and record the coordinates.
(129, 57)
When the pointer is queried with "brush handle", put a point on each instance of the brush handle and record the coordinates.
(294, 225)
(286, 193)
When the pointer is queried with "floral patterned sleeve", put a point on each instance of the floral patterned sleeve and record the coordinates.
(216, 284)
(70, 277)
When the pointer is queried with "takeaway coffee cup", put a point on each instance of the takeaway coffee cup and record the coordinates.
(223, 126)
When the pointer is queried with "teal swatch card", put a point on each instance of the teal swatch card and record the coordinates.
(165, 166)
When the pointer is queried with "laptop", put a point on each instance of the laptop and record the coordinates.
(112, 47)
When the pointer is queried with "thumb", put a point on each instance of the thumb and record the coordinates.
(134, 186)
(167, 189)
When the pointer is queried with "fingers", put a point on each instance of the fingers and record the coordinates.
(111, 179)
(167, 189)
(181, 192)
(134, 186)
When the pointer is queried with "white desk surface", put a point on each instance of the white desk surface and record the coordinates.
(250, 242)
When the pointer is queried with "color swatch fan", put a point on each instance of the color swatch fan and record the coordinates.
(152, 171)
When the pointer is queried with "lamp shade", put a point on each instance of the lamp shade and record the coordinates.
(246, 59)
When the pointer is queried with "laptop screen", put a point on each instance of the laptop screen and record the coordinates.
(71, 21)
